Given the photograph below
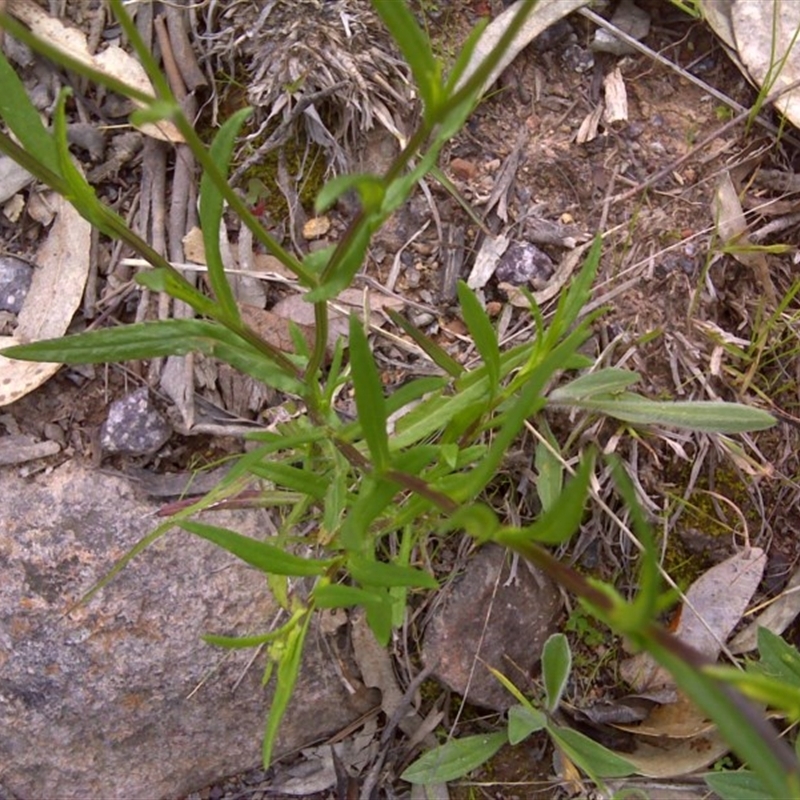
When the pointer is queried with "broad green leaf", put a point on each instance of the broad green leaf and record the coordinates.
(604, 382)
(522, 722)
(778, 657)
(743, 785)
(262, 556)
(370, 189)
(483, 334)
(370, 403)
(210, 209)
(288, 670)
(594, 759)
(19, 114)
(454, 759)
(302, 480)
(437, 354)
(416, 49)
(369, 572)
(708, 416)
(556, 664)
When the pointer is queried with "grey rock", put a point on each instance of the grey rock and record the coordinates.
(522, 614)
(524, 263)
(630, 19)
(121, 698)
(15, 281)
(134, 426)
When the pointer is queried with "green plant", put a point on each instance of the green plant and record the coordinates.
(373, 498)
(456, 758)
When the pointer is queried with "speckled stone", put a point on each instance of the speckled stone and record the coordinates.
(134, 426)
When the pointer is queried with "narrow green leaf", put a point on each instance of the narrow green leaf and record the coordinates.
(762, 688)
(370, 403)
(437, 354)
(80, 194)
(579, 292)
(556, 664)
(742, 785)
(735, 721)
(370, 189)
(154, 339)
(522, 722)
(301, 480)
(464, 56)
(19, 114)
(477, 520)
(594, 759)
(454, 759)
(529, 401)
(346, 260)
(561, 521)
(369, 572)
(210, 209)
(374, 495)
(376, 602)
(416, 49)
(604, 382)
(549, 474)
(411, 391)
(707, 416)
(645, 605)
(288, 670)
(483, 334)
(262, 556)
(165, 280)
(242, 642)
(127, 343)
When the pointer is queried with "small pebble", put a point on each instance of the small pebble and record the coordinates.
(134, 426)
(15, 281)
(524, 263)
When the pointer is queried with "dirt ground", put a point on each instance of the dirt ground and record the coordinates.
(677, 304)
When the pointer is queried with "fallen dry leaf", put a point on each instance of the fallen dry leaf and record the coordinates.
(55, 294)
(112, 61)
(714, 605)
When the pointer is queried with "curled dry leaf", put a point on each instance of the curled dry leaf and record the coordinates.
(113, 61)
(54, 296)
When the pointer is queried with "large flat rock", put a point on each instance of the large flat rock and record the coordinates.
(121, 698)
